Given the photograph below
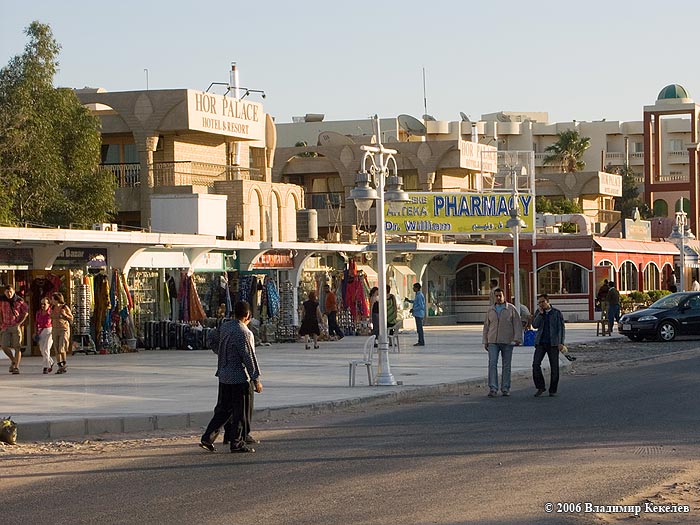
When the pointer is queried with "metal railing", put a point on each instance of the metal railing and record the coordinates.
(126, 175)
(186, 173)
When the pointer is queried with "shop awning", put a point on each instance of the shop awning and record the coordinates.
(403, 275)
(691, 256)
(372, 277)
(628, 246)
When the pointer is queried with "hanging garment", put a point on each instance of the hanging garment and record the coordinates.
(102, 306)
(273, 298)
(196, 312)
(164, 305)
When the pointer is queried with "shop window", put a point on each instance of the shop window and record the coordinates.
(660, 208)
(474, 279)
(629, 277)
(651, 277)
(562, 278)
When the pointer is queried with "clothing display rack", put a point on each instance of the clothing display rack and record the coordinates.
(286, 329)
(82, 300)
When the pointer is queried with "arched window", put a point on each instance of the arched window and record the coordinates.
(562, 278)
(660, 208)
(629, 277)
(474, 279)
(253, 221)
(651, 277)
(683, 204)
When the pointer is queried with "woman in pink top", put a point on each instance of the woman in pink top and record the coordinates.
(43, 332)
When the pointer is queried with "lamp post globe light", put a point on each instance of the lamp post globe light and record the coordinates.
(379, 168)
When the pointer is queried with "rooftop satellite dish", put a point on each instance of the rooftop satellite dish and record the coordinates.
(331, 138)
(464, 116)
(411, 125)
(502, 117)
(427, 117)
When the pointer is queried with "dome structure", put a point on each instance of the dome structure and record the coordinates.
(674, 94)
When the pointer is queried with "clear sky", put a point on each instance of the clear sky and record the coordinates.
(577, 61)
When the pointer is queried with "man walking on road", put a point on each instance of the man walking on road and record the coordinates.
(503, 329)
(549, 341)
(239, 375)
(418, 312)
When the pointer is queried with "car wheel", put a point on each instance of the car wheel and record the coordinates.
(636, 338)
(667, 331)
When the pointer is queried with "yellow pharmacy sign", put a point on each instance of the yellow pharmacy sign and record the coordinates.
(448, 213)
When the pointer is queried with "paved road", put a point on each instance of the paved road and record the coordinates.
(448, 459)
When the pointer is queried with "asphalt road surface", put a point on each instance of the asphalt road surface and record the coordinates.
(461, 458)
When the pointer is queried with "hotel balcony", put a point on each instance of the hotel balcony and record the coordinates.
(192, 173)
(181, 173)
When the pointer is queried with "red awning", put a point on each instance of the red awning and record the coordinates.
(628, 246)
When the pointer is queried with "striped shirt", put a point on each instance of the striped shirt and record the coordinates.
(234, 343)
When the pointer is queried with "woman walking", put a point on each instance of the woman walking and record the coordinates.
(43, 333)
(61, 316)
(309, 323)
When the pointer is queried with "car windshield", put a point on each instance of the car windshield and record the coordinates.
(670, 301)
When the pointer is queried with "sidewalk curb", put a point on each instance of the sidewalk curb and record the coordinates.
(77, 428)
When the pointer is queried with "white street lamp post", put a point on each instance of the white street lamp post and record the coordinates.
(515, 223)
(380, 159)
(681, 230)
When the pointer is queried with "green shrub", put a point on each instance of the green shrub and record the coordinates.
(639, 297)
(655, 295)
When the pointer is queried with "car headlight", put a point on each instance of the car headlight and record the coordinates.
(647, 318)
(623, 318)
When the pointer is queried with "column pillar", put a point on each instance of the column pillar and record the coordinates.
(146, 148)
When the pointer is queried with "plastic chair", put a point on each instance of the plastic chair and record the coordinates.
(366, 361)
(394, 344)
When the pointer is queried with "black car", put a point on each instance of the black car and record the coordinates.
(672, 315)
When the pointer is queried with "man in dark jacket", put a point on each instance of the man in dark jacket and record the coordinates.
(238, 374)
(613, 299)
(549, 341)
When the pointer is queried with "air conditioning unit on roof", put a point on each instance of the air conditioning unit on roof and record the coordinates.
(105, 227)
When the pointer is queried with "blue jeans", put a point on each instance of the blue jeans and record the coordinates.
(613, 315)
(419, 329)
(506, 352)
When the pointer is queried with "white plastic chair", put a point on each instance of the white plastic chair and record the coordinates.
(394, 344)
(366, 361)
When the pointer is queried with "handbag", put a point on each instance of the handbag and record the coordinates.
(529, 337)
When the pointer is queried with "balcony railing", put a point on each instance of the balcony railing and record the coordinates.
(192, 173)
(673, 178)
(127, 175)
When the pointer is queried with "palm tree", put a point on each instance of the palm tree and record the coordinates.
(567, 151)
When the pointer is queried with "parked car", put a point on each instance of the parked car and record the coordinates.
(672, 315)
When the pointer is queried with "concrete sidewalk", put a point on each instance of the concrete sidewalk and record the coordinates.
(170, 389)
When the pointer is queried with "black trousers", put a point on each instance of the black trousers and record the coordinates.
(231, 408)
(552, 353)
(249, 402)
(333, 328)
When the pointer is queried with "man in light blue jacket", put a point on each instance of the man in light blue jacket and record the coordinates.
(418, 312)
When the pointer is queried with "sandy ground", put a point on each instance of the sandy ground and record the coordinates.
(683, 489)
